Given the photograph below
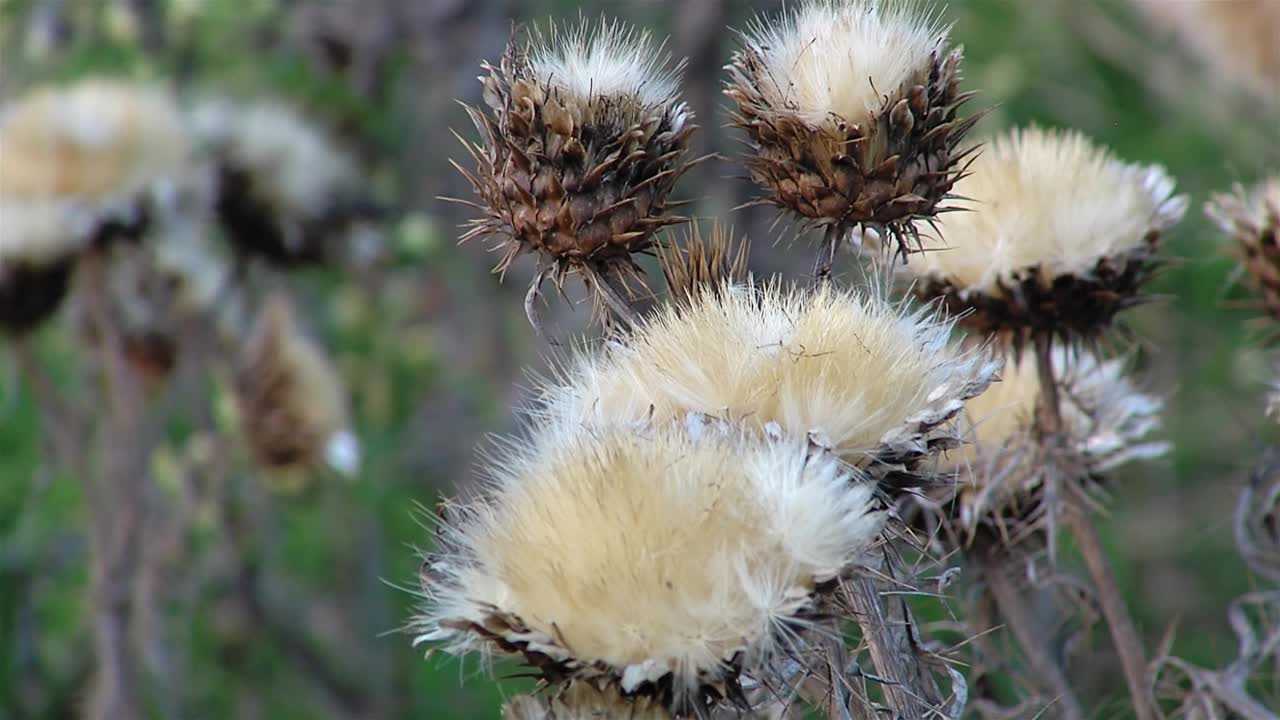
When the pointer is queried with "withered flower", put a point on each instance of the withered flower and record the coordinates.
(662, 563)
(293, 409)
(1060, 237)
(584, 137)
(851, 107)
(704, 262)
(286, 191)
(1252, 218)
(1107, 421)
(875, 381)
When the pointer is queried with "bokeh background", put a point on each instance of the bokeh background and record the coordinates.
(436, 350)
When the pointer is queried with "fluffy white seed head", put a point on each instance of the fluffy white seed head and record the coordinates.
(291, 165)
(842, 57)
(648, 552)
(1246, 211)
(1046, 198)
(90, 142)
(597, 70)
(1107, 420)
(854, 369)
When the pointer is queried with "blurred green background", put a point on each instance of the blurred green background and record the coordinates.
(435, 350)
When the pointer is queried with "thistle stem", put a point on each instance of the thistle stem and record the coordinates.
(1123, 633)
(827, 252)
(1013, 608)
(909, 689)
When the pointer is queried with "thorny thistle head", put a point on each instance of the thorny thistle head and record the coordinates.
(705, 262)
(1252, 219)
(1060, 237)
(875, 381)
(1107, 421)
(583, 140)
(286, 191)
(39, 242)
(663, 562)
(293, 407)
(850, 108)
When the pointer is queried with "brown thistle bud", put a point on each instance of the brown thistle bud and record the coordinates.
(584, 700)
(293, 410)
(39, 241)
(1059, 238)
(704, 263)
(1252, 219)
(851, 107)
(286, 192)
(567, 560)
(584, 138)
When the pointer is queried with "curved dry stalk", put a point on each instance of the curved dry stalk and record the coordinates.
(1077, 513)
(1257, 518)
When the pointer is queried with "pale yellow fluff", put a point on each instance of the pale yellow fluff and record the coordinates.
(93, 141)
(1246, 210)
(42, 231)
(1045, 198)
(851, 368)
(841, 58)
(656, 552)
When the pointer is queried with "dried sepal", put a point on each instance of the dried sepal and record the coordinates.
(582, 141)
(1059, 237)
(663, 563)
(703, 263)
(292, 404)
(1251, 218)
(876, 382)
(851, 111)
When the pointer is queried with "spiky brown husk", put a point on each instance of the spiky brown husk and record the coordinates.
(31, 292)
(887, 170)
(704, 263)
(1070, 307)
(1253, 220)
(583, 190)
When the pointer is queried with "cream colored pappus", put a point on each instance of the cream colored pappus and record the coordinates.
(1049, 199)
(857, 370)
(637, 557)
(38, 232)
(829, 59)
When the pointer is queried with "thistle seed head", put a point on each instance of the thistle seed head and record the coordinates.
(875, 381)
(582, 142)
(661, 563)
(706, 262)
(293, 408)
(584, 700)
(285, 189)
(39, 241)
(850, 107)
(1252, 219)
(1058, 239)
(1107, 421)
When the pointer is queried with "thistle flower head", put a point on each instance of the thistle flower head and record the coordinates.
(1252, 219)
(1058, 239)
(39, 240)
(850, 107)
(285, 187)
(584, 700)
(663, 562)
(293, 410)
(581, 145)
(705, 262)
(1107, 421)
(875, 381)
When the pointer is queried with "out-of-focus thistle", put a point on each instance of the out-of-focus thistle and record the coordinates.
(1106, 420)
(287, 193)
(1252, 219)
(664, 562)
(876, 382)
(293, 408)
(851, 107)
(584, 138)
(584, 700)
(1059, 238)
(39, 241)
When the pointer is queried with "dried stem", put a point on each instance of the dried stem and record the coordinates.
(1013, 608)
(1077, 513)
(827, 251)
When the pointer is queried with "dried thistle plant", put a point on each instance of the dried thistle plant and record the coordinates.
(287, 192)
(875, 381)
(850, 108)
(1059, 238)
(292, 404)
(584, 137)
(1251, 218)
(665, 563)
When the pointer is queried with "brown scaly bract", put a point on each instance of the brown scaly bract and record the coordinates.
(584, 139)
(825, 142)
